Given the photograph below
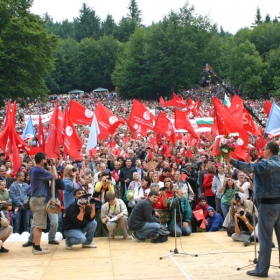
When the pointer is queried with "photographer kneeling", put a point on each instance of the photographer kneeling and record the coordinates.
(114, 215)
(79, 224)
(243, 225)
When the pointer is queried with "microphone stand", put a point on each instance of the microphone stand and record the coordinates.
(176, 251)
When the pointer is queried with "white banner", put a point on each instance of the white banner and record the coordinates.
(35, 118)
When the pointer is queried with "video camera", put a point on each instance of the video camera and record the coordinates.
(162, 189)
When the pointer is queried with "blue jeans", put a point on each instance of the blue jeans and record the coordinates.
(186, 231)
(148, 229)
(22, 215)
(269, 218)
(225, 208)
(78, 236)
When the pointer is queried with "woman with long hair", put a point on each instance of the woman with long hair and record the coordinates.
(71, 183)
(155, 179)
(229, 189)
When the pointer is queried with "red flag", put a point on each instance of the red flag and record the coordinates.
(182, 121)
(141, 119)
(249, 124)
(180, 102)
(161, 102)
(15, 157)
(52, 145)
(80, 114)
(236, 108)
(107, 121)
(92, 152)
(41, 137)
(226, 124)
(267, 107)
(8, 112)
(164, 126)
(191, 103)
(72, 143)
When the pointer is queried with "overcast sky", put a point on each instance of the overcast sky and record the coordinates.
(231, 15)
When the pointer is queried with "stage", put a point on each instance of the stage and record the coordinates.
(218, 258)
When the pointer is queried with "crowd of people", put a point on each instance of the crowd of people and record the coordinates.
(145, 190)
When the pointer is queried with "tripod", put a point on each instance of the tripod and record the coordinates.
(176, 251)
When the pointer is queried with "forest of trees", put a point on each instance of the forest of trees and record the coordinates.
(142, 61)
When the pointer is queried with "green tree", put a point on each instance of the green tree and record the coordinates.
(65, 76)
(246, 69)
(87, 25)
(125, 29)
(26, 51)
(258, 17)
(108, 26)
(134, 12)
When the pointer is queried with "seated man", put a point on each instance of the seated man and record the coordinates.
(115, 209)
(79, 224)
(144, 221)
(243, 225)
(5, 229)
(183, 214)
(214, 221)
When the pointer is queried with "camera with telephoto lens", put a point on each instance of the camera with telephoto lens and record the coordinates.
(96, 202)
(241, 213)
(237, 197)
(162, 189)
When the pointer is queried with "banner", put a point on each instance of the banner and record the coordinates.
(35, 118)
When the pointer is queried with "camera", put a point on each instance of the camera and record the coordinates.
(241, 213)
(229, 179)
(74, 170)
(3, 205)
(237, 197)
(162, 189)
(95, 201)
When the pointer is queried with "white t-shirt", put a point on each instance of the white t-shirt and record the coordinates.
(245, 187)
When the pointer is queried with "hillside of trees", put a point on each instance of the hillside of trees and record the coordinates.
(142, 61)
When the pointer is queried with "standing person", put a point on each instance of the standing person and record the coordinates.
(126, 175)
(267, 193)
(39, 178)
(207, 186)
(229, 189)
(18, 193)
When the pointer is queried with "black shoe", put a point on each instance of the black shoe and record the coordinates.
(134, 235)
(54, 242)
(28, 244)
(4, 250)
(257, 274)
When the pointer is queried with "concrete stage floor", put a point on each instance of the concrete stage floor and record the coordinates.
(218, 258)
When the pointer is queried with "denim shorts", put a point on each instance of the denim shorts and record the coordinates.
(38, 208)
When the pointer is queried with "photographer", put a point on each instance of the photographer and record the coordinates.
(39, 178)
(71, 184)
(243, 182)
(79, 224)
(5, 229)
(243, 222)
(114, 209)
(228, 189)
(20, 199)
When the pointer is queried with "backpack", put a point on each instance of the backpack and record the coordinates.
(160, 239)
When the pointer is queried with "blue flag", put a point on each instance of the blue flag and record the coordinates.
(29, 131)
(273, 122)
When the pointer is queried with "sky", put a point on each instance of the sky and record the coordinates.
(231, 15)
